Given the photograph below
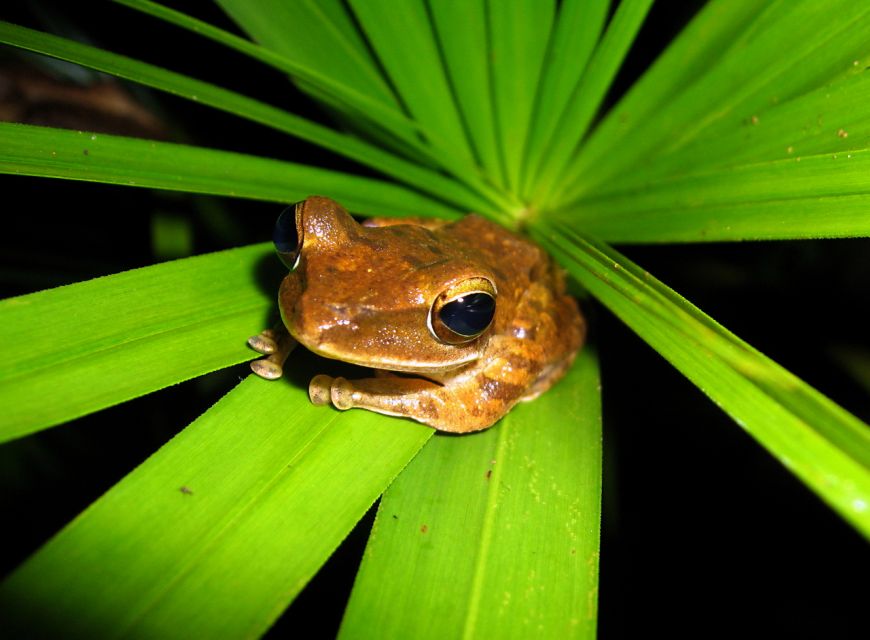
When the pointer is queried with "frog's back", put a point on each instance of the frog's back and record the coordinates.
(516, 261)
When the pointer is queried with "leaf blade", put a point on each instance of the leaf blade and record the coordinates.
(577, 29)
(823, 445)
(319, 34)
(588, 95)
(242, 106)
(820, 196)
(515, 73)
(75, 155)
(692, 52)
(259, 491)
(450, 555)
(323, 36)
(822, 121)
(823, 42)
(361, 103)
(462, 37)
(392, 35)
(122, 344)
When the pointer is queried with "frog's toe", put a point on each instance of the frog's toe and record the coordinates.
(343, 394)
(263, 342)
(276, 344)
(267, 368)
(320, 390)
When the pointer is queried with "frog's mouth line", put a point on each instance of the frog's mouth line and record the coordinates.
(405, 366)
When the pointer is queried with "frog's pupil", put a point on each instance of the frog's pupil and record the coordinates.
(285, 237)
(468, 315)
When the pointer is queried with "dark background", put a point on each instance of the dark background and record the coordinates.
(704, 533)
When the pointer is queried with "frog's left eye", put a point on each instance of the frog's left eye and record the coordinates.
(463, 312)
(287, 239)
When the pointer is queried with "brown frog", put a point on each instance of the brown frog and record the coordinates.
(460, 320)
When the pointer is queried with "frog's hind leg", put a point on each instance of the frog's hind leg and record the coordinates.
(387, 393)
(411, 397)
(565, 327)
(549, 377)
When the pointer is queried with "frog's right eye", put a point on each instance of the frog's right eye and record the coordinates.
(287, 239)
(463, 312)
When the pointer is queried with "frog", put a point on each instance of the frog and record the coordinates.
(460, 320)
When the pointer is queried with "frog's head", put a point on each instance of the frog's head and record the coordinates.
(397, 297)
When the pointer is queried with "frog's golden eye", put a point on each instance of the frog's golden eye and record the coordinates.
(287, 238)
(463, 312)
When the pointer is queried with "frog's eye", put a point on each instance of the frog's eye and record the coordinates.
(463, 312)
(287, 239)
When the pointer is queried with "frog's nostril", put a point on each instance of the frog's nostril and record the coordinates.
(286, 238)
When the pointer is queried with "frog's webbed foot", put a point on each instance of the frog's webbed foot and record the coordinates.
(276, 344)
(416, 398)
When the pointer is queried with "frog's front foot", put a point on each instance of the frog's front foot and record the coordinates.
(276, 344)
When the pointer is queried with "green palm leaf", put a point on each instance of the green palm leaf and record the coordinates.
(208, 530)
(234, 103)
(123, 346)
(828, 448)
(39, 151)
(451, 553)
